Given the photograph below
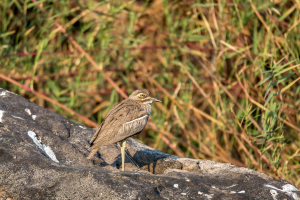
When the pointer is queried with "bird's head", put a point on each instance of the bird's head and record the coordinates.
(143, 96)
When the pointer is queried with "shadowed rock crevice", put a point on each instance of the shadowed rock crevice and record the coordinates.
(28, 170)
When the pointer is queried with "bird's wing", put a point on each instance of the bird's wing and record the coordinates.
(124, 120)
(108, 115)
(96, 134)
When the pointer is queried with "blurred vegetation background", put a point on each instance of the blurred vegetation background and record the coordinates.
(226, 70)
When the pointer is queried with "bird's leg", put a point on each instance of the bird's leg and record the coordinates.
(123, 145)
(129, 157)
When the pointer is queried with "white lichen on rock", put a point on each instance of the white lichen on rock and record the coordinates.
(1, 114)
(209, 196)
(17, 117)
(46, 149)
(287, 188)
(4, 93)
(28, 111)
(274, 194)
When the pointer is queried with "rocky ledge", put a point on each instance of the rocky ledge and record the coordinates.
(43, 156)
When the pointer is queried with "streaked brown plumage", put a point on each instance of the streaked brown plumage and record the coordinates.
(125, 119)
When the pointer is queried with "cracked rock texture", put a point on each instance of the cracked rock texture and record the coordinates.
(27, 171)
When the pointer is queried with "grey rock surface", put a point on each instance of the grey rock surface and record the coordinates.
(43, 156)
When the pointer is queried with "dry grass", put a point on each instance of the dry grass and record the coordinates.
(227, 71)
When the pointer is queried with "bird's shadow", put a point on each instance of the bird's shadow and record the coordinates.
(140, 160)
(117, 162)
(148, 160)
(151, 160)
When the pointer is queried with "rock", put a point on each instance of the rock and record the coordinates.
(43, 156)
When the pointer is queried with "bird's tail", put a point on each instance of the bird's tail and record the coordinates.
(92, 153)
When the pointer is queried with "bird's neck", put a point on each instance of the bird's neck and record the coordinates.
(147, 107)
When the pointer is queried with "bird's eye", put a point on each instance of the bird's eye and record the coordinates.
(142, 95)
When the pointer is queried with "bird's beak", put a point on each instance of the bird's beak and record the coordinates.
(156, 100)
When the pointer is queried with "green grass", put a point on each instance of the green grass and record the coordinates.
(227, 72)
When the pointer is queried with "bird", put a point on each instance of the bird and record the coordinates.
(125, 119)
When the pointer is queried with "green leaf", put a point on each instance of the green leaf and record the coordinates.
(285, 77)
(268, 89)
(206, 5)
(279, 61)
(287, 69)
(268, 77)
(276, 138)
(3, 35)
(266, 71)
(289, 85)
(269, 97)
(282, 66)
(197, 30)
(195, 38)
